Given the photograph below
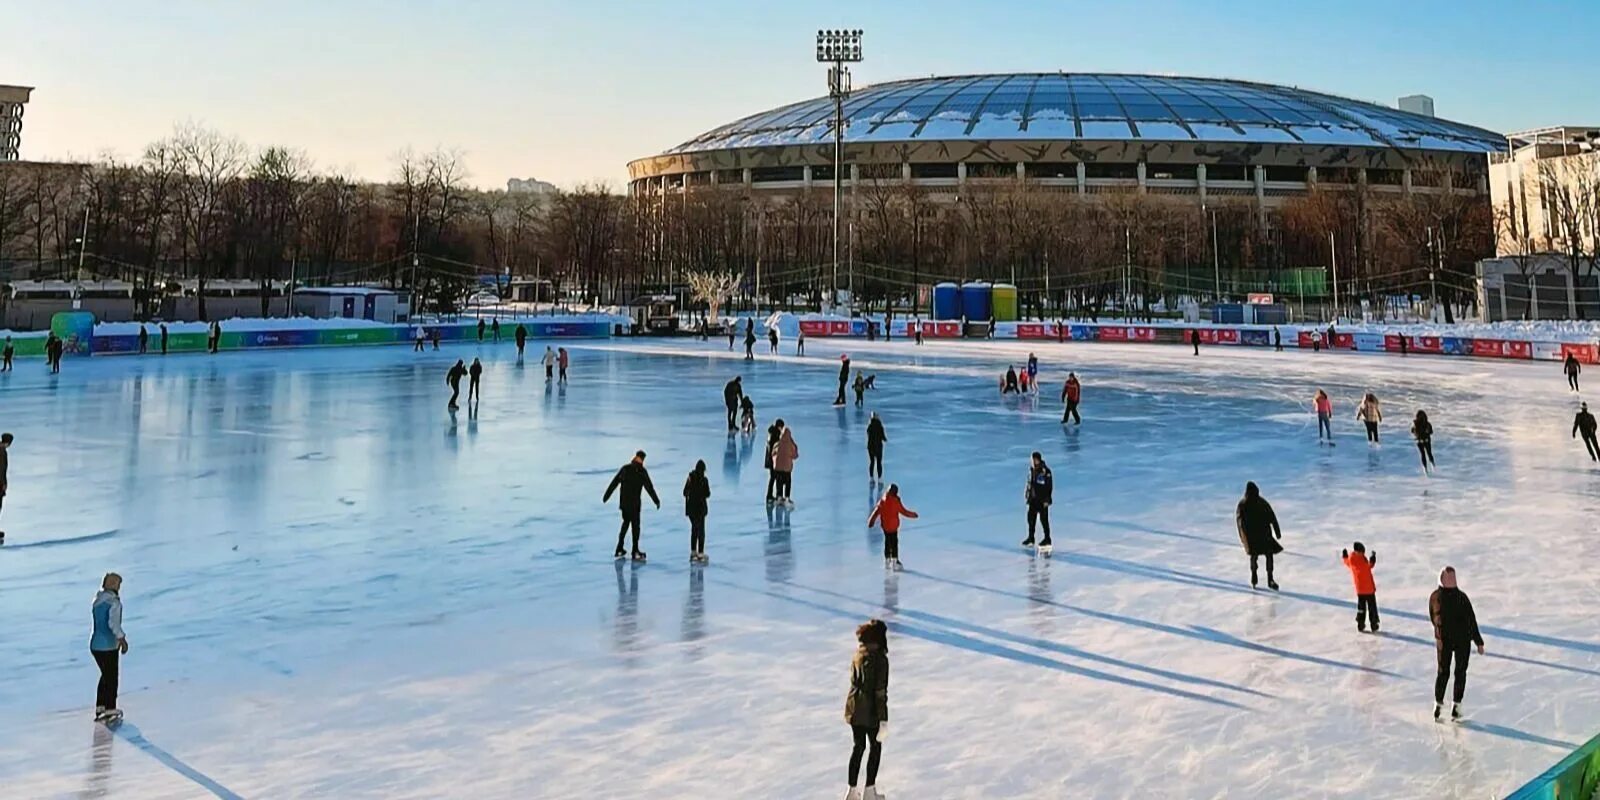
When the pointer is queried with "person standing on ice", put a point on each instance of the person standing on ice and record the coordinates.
(1009, 384)
(1039, 494)
(1360, 564)
(844, 377)
(800, 343)
(107, 644)
(774, 432)
(474, 375)
(632, 479)
(163, 338)
(144, 339)
(1455, 630)
(730, 398)
(5, 464)
(866, 706)
(1316, 342)
(422, 338)
(1584, 423)
(549, 361)
(1277, 339)
(1258, 531)
(1070, 392)
(696, 500)
(1571, 367)
(733, 330)
(750, 340)
(521, 335)
(918, 331)
(453, 379)
(860, 388)
(889, 511)
(562, 362)
(772, 340)
(1422, 431)
(1370, 415)
(1194, 339)
(784, 454)
(214, 340)
(1033, 370)
(6, 355)
(1324, 407)
(494, 329)
(436, 335)
(481, 326)
(875, 439)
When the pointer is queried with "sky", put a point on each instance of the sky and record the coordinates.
(569, 92)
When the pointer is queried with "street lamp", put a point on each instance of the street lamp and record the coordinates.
(838, 47)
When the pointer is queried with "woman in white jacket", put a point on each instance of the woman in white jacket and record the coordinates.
(1370, 415)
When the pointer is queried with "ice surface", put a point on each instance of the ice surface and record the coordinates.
(335, 589)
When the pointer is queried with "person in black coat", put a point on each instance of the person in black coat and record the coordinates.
(774, 433)
(749, 340)
(522, 338)
(1455, 630)
(1039, 494)
(1572, 368)
(144, 339)
(474, 375)
(453, 378)
(481, 326)
(1584, 423)
(875, 439)
(844, 378)
(1258, 531)
(163, 338)
(731, 393)
(696, 494)
(632, 479)
(1194, 339)
(1422, 431)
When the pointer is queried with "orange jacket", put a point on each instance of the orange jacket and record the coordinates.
(890, 510)
(1361, 565)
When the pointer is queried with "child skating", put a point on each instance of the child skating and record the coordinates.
(696, 497)
(889, 511)
(1360, 564)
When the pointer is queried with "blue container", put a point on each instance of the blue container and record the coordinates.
(946, 301)
(977, 301)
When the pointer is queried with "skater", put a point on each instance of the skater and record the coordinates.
(1370, 415)
(733, 330)
(844, 375)
(1584, 423)
(632, 479)
(1316, 342)
(494, 329)
(889, 510)
(784, 454)
(1405, 344)
(1324, 406)
(1258, 531)
(1024, 386)
(422, 339)
(730, 398)
(163, 338)
(474, 375)
(214, 340)
(696, 495)
(1039, 494)
(1277, 339)
(800, 343)
(774, 432)
(106, 644)
(6, 355)
(860, 388)
(1422, 431)
(872, 382)
(1194, 339)
(772, 341)
(1033, 371)
(750, 340)
(1070, 392)
(436, 335)
(1572, 368)
(1333, 338)
(1360, 564)
(562, 361)
(866, 707)
(747, 415)
(549, 360)
(875, 439)
(521, 335)
(918, 330)
(481, 326)
(5, 462)
(1455, 630)
(1009, 384)
(53, 348)
(453, 378)
(144, 339)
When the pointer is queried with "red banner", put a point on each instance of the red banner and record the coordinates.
(1427, 344)
(1227, 336)
(1519, 349)
(1344, 341)
(1110, 333)
(814, 327)
(1207, 335)
(1033, 330)
(1141, 334)
(1583, 352)
(839, 327)
(1305, 339)
(1488, 348)
(945, 330)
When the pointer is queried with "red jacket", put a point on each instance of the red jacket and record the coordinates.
(890, 510)
(1361, 565)
(1071, 390)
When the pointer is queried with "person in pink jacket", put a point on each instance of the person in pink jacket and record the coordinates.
(1324, 407)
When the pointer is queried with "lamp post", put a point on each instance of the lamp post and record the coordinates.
(838, 47)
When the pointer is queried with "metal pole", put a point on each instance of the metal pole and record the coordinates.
(838, 177)
(83, 241)
(1216, 256)
(1333, 255)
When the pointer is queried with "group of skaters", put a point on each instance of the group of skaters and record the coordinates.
(553, 359)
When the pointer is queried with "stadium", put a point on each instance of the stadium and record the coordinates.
(1085, 133)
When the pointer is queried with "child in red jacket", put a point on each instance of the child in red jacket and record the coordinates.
(889, 510)
(1361, 564)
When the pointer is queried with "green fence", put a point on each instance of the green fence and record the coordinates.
(1575, 778)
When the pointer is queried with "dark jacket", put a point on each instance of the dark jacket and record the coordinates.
(1454, 624)
(522, 333)
(773, 432)
(732, 392)
(632, 478)
(867, 704)
(476, 371)
(1571, 366)
(453, 377)
(875, 435)
(1422, 430)
(1258, 525)
(844, 371)
(1584, 422)
(1041, 485)
(696, 491)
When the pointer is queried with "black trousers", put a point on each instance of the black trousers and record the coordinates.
(1572, 381)
(1072, 411)
(785, 483)
(865, 735)
(418, 347)
(1253, 568)
(1460, 655)
(105, 694)
(891, 545)
(1372, 431)
(472, 389)
(697, 533)
(1592, 446)
(1366, 606)
(839, 400)
(455, 393)
(772, 483)
(733, 416)
(1039, 513)
(875, 461)
(5, 364)
(630, 519)
(1425, 451)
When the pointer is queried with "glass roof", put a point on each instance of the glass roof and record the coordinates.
(1048, 106)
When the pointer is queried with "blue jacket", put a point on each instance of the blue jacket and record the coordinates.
(107, 613)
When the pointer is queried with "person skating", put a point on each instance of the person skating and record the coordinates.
(1571, 367)
(1039, 494)
(1258, 531)
(474, 375)
(731, 392)
(1455, 630)
(562, 362)
(1070, 392)
(1405, 344)
(422, 339)
(1277, 339)
(1422, 431)
(549, 361)
(436, 334)
(494, 329)
(1024, 386)
(733, 330)
(6, 354)
(1316, 342)
(750, 340)
(918, 332)
(875, 439)
(1360, 564)
(1584, 423)
(774, 432)
(772, 341)
(1370, 415)
(521, 335)
(1324, 407)
(860, 388)
(453, 379)
(214, 340)
(632, 479)
(481, 326)
(107, 643)
(1009, 384)
(696, 497)
(866, 706)
(1333, 338)
(5, 464)
(163, 338)
(800, 343)
(844, 376)
(1033, 371)
(1194, 339)
(889, 510)
(747, 415)
(784, 454)
(144, 339)
(54, 347)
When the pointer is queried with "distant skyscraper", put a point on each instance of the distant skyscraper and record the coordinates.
(529, 186)
(1417, 104)
(11, 100)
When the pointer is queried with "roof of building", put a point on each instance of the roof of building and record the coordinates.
(1098, 107)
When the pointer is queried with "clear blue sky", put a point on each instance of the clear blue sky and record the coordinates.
(570, 92)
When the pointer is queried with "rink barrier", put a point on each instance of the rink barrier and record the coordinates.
(187, 342)
(1576, 777)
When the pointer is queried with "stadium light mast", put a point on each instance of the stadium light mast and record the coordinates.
(838, 47)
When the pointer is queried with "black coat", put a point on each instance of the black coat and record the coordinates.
(773, 434)
(1041, 485)
(696, 491)
(1583, 422)
(844, 371)
(632, 479)
(875, 435)
(1454, 623)
(1258, 526)
(732, 392)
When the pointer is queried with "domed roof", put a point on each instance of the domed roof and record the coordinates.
(1098, 107)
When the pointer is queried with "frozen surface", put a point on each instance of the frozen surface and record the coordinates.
(334, 589)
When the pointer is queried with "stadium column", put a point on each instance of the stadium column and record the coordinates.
(1261, 195)
(1405, 180)
(1140, 169)
(1200, 182)
(1083, 178)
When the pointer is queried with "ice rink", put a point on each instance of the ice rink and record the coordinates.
(336, 589)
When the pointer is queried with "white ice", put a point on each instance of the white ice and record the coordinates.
(335, 589)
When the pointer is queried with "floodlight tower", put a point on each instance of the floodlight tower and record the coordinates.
(838, 47)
